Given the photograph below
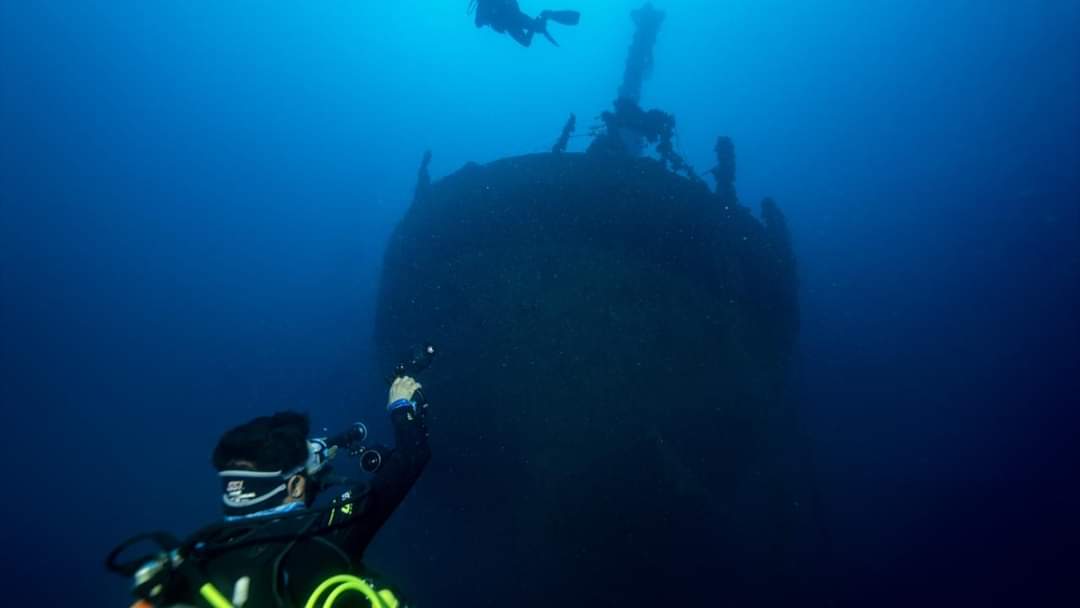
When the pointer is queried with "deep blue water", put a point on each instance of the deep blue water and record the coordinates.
(196, 195)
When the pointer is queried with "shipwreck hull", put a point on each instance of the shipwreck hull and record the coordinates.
(610, 422)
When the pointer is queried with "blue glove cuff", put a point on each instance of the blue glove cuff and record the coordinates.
(400, 403)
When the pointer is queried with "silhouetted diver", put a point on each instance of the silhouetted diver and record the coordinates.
(505, 17)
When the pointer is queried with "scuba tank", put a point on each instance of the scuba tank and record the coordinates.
(241, 564)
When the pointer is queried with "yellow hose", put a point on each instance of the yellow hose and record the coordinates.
(214, 597)
(362, 587)
(341, 584)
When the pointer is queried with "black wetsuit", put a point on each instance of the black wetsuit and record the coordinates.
(287, 556)
(504, 16)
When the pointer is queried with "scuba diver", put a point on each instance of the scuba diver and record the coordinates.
(275, 548)
(505, 17)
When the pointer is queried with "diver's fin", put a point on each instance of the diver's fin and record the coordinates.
(550, 39)
(563, 17)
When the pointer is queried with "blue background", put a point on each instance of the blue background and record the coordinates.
(196, 196)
